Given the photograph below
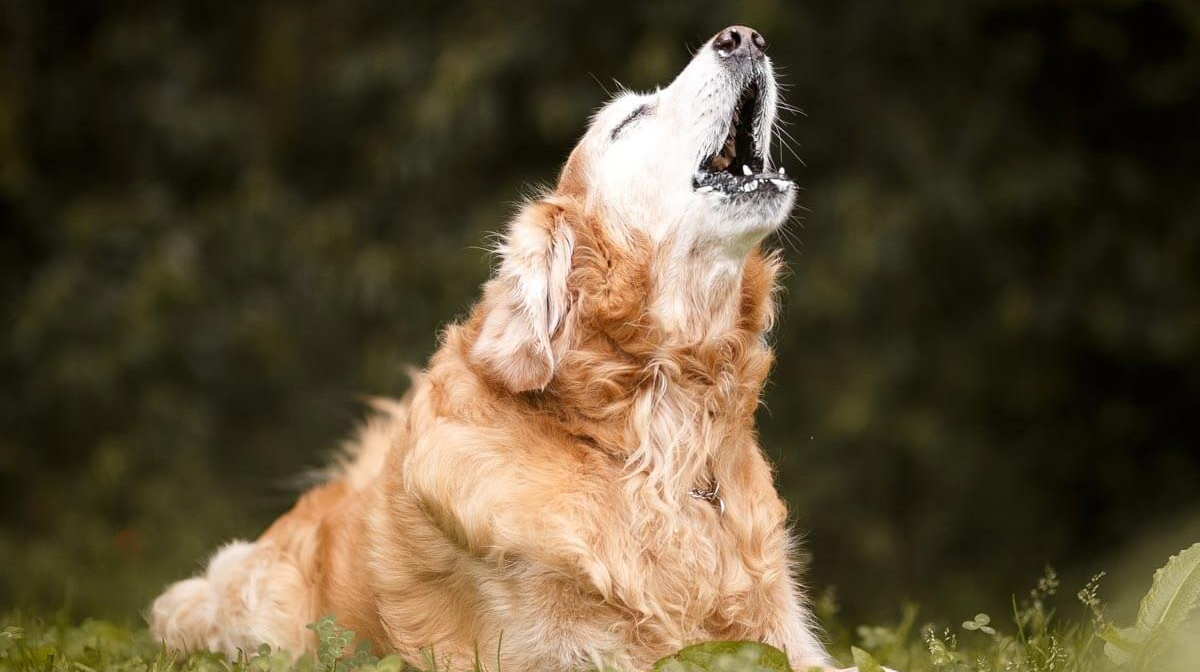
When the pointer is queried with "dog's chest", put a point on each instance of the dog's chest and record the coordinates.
(650, 592)
(695, 573)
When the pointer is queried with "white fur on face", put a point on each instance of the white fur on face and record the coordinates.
(643, 153)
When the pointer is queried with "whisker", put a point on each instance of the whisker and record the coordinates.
(789, 238)
(791, 108)
(603, 88)
(783, 142)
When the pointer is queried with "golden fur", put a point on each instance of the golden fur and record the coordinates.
(533, 486)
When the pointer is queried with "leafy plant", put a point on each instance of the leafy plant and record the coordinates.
(1174, 594)
(864, 661)
(726, 657)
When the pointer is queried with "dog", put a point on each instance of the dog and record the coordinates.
(574, 481)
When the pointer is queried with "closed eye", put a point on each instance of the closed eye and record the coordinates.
(640, 111)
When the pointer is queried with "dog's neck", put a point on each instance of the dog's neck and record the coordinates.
(665, 363)
(697, 294)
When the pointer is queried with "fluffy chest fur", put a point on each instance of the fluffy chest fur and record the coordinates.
(626, 562)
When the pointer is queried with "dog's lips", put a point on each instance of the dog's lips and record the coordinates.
(737, 167)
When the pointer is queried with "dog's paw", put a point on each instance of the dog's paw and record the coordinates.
(248, 595)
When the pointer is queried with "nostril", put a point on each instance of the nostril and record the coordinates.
(727, 41)
(758, 40)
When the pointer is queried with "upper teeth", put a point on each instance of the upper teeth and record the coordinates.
(746, 170)
(782, 170)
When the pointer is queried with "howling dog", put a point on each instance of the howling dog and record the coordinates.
(575, 479)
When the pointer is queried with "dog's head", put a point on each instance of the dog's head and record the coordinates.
(669, 192)
(691, 162)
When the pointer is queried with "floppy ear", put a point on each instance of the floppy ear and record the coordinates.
(526, 302)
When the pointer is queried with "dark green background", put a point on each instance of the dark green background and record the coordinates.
(223, 222)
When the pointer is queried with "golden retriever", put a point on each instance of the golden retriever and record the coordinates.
(576, 473)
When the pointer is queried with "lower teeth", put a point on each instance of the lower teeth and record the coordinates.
(728, 186)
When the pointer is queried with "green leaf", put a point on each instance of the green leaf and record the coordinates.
(1174, 594)
(1119, 644)
(864, 661)
(726, 657)
(391, 663)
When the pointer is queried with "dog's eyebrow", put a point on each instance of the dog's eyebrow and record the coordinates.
(641, 110)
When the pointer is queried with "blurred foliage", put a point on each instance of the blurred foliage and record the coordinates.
(222, 222)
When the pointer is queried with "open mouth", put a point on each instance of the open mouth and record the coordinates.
(737, 167)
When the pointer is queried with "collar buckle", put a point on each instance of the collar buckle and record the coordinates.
(712, 495)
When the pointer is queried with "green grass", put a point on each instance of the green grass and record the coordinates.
(1044, 633)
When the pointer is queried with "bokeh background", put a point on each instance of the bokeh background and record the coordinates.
(223, 223)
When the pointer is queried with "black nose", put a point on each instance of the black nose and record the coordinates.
(739, 40)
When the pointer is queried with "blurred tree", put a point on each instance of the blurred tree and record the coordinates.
(222, 222)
